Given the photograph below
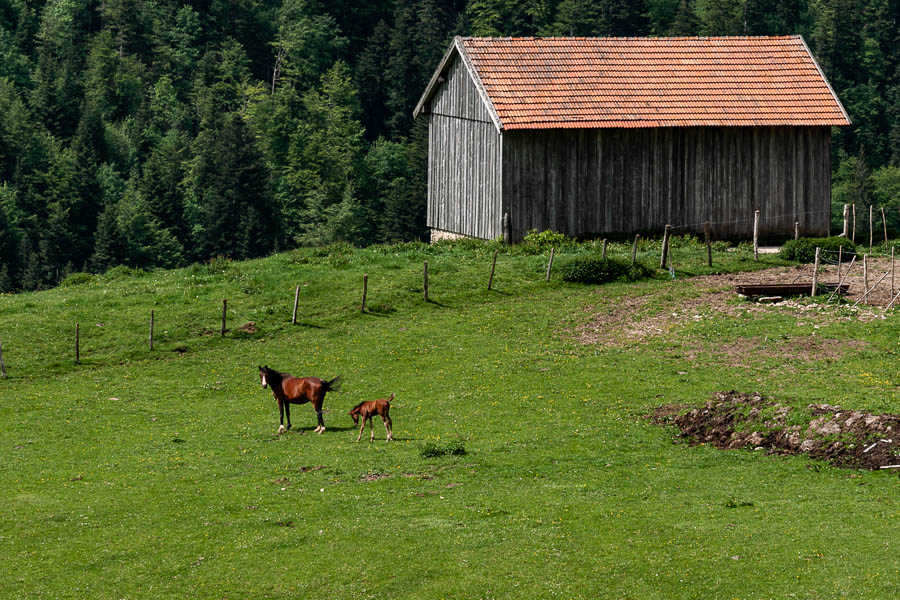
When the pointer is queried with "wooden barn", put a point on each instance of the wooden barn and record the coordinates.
(594, 136)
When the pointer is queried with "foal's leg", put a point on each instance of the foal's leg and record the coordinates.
(361, 427)
(388, 426)
(371, 428)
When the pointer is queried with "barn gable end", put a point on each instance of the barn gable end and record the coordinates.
(593, 136)
(464, 157)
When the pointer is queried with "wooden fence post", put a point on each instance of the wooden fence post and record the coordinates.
(603, 256)
(796, 230)
(296, 302)
(840, 259)
(425, 280)
(866, 276)
(853, 232)
(2, 365)
(756, 235)
(663, 260)
(815, 278)
(884, 223)
(708, 244)
(871, 229)
(892, 271)
(493, 266)
(77, 343)
(637, 236)
(224, 315)
(846, 221)
(362, 308)
(151, 328)
(550, 264)
(507, 233)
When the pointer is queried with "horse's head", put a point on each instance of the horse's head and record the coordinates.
(262, 376)
(354, 413)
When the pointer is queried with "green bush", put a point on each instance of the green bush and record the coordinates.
(536, 242)
(594, 269)
(804, 249)
(76, 279)
(432, 450)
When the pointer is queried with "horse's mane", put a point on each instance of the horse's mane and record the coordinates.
(358, 405)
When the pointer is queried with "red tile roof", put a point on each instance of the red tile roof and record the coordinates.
(546, 83)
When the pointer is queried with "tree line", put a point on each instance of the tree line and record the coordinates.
(156, 133)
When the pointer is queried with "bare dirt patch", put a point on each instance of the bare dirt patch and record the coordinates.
(852, 439)
(631, 320)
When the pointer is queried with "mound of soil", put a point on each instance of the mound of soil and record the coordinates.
(852, 439)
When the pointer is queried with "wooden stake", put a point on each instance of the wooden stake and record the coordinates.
(892, 301)
(846, 220)
(796, 230)
(866, 276)
(871, 289)
(871, 229)
(362, 308)
(296, 302)
(756, 235)
(507, 233)
(892, 270)
(815, 281)
(708, 244)
(151, 329)
(853, 233)
(493, 266)
(224, 315)
(841, 281)
(603, 256)
(77, 342)
(550, 264)
(664, 259)
(425, 280)
(840, 259)
(2, 365)
(634, 248)
(884, 223)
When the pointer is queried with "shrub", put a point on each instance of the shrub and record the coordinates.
(804, 249)
(536, 242)
(76, 279)
(594, 269)
(432, 450)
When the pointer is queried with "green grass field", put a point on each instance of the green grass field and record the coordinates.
(139, 474)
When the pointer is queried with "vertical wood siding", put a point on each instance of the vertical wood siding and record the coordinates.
(606, 181)
(463, 160)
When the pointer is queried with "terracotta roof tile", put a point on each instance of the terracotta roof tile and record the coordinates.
(652, 82)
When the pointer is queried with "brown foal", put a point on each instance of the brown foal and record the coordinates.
(370, 408)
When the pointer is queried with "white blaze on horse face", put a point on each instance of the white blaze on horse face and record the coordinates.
(263, 376)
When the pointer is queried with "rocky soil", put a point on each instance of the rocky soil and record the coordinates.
(852, 439)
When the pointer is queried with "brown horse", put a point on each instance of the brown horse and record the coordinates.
(367, 410)
(288, 390)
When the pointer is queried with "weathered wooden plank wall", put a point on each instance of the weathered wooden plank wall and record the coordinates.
(463, 160)
(605, 181)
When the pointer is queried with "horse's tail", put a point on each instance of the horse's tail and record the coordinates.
(334, 385)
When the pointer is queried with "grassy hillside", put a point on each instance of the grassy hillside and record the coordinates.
(140, 474)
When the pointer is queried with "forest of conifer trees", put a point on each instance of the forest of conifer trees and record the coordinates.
(156, 133)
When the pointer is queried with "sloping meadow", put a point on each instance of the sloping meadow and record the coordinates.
(522, 464)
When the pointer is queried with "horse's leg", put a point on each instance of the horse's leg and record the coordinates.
(321, 427)
(287, 409)
(281, 412)
(388, 426)
(361, 427)
(371, 428)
